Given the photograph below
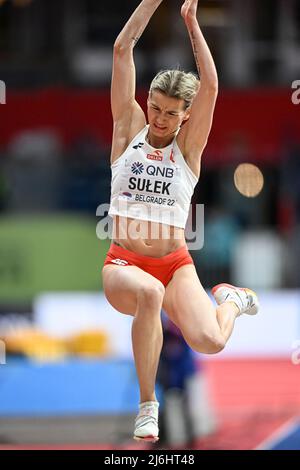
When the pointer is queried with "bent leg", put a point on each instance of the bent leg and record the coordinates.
(133, 291)
(190, 308)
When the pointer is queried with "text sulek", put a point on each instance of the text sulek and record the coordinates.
(141, 184)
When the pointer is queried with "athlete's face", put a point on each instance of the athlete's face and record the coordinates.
(165, 114)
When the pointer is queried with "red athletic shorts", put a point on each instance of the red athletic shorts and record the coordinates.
(162, 268)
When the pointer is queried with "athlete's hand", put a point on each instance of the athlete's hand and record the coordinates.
(189, 9)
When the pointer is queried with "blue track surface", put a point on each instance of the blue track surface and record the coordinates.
(289, 442)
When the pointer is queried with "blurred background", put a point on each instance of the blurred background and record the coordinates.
(66, 370)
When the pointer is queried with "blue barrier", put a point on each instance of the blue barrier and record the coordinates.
(67, 388)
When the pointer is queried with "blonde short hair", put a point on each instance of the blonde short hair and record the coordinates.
(176, 84)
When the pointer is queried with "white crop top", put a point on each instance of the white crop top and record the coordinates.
(152, 184)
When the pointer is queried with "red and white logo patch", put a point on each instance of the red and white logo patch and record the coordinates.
(157, 155)
(119, 262)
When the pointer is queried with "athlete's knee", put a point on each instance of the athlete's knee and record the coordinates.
(151, 294)
(207, 343)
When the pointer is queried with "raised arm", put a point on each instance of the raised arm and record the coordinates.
(128, 116)
(123, 78)
(197, 128)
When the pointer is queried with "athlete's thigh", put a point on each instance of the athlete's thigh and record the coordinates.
(188, 305)
(121, 285)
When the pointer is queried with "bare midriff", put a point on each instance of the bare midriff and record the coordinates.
(147, 238)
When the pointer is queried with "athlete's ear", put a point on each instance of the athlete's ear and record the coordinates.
(187, 115)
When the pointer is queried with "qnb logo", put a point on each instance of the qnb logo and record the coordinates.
(2, 92)
(137, 168)
(295, 357)
(296, 93)
(2, 353)
(162, 172)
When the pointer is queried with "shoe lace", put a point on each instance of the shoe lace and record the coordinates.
(148, 412)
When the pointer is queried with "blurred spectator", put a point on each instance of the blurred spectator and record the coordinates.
(86, 175)
(3, 190)
(221, 231)
(289, 205)
(33, 170)
(186, 413)
(293, 265)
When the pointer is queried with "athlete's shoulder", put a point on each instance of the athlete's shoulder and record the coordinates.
(121, 143)
(126, 129)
